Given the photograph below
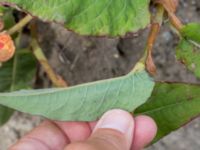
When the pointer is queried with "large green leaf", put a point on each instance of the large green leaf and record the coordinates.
(172, 106)
(91, 17)
(85, 102)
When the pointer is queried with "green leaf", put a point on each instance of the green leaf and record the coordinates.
(191, 32)
(172, 106)
(14, 75)
(188, 49)
(7, 17)
(189, 54)
(85, 102)
(91, 17)
(18, 73)
(5, 114)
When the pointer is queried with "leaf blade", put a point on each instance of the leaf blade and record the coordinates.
(89, 17)
(188, 49)
(189, 55)
(85, 102)
(172, 106)
(191, 31)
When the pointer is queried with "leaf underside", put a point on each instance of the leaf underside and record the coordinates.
(90, 17)
(172, 106)
(85, 102)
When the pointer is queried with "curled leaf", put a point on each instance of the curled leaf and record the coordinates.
(7, 48)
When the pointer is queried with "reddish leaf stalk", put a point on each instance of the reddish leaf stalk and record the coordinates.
(150, 66)
(171, 6)
(175, 21)
(155, 28)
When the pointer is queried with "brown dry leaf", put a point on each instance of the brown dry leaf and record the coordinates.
(7, 47)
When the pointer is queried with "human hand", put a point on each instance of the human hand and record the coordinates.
(116, 130)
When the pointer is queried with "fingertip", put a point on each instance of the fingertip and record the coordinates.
(118, 120)
(145, 131)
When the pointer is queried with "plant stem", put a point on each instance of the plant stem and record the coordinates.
(175, 21)
(56, 80)
(37, 51)
(168, 5)
(155, 28)
(17, 27)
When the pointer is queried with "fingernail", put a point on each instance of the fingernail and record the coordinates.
(117, 120)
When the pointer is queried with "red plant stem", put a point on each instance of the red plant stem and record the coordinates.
(175, 21)
(155, 28)
(150, 66)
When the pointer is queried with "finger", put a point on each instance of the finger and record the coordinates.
(114, 131)
(75, 131)
(145, 131)
(92, 125)
(46, 136)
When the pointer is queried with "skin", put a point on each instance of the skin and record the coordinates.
(116, 130)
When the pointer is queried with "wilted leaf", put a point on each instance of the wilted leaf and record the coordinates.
(85, 102)
(172, 106)
(91, 17)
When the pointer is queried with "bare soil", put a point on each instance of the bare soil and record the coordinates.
(80, 59)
